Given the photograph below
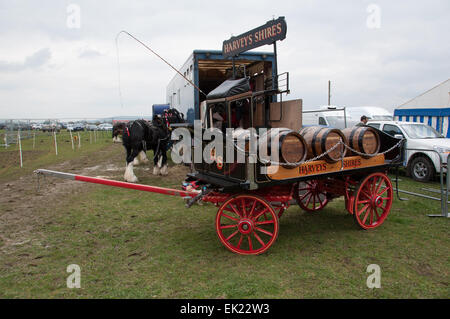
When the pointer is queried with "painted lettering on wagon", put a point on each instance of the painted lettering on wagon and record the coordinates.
(312, 168)
(267, 34)
(323, 167)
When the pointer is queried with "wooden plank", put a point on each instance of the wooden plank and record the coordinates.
(291, 116)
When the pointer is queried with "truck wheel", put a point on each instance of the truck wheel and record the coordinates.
(421, 169)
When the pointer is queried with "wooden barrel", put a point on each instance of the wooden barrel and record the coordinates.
(363, 139)
(320, 139)
(291, 147)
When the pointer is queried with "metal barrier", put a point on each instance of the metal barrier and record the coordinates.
(444, 192)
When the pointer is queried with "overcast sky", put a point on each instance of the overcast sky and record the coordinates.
(379, 53)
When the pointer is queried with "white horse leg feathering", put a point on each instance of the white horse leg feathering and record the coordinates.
(129, 174)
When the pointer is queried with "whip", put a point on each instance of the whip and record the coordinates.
(148, 48)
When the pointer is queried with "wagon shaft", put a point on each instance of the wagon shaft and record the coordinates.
(109, 182)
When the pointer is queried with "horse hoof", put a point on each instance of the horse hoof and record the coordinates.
(132, 179)
(135, 161)
(164, 170)
(156, 170)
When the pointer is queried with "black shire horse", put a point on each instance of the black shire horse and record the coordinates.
(138, 137)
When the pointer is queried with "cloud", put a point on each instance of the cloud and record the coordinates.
(89, 53)
(36, 60)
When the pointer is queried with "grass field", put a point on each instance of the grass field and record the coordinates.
(133, 244)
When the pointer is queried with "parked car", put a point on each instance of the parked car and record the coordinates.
(105, 127)
(51, 127)
(77, 127)
(91, 127)
(422, 164)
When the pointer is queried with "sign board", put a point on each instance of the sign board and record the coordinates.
(268, 33)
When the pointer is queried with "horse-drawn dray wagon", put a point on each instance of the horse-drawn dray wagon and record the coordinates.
(258, 159)
(252, 194)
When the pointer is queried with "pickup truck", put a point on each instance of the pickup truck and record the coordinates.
(424, 146)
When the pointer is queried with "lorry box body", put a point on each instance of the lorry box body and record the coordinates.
(207, 69)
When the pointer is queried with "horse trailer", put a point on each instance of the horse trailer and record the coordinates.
(207, 69)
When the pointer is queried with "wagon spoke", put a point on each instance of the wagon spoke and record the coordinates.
(244, 211)
(250, 246)
(232, 235)
(260, 213)
(376, 213)
(266, 222)
(363, 209)
(365, 194)
(259, 239)
(228, 226)
(229, 217)
(264, 231)
(384, 191)
(304, 195)
(252, 209)
(379, 186)
(374, 184)
(240, 241)
(367, 214)
(309, 200)
(314, 201)
(235, 211)
(363, 201)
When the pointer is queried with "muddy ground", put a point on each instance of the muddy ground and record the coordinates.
(28, 203)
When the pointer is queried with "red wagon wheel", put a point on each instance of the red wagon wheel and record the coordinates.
(310, 195)
(373, 201)
(247, 224)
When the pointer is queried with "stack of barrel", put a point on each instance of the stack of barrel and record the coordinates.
(322, 140)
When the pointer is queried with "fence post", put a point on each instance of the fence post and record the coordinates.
(71, 139)
(56, 143)
(90, 137)
(20, 147)
(79, 140)
(34, 139)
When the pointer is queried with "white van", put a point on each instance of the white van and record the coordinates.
(372, 112)
(334, 116)
(327, 115)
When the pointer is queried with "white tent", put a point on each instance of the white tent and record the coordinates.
(431, 107)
